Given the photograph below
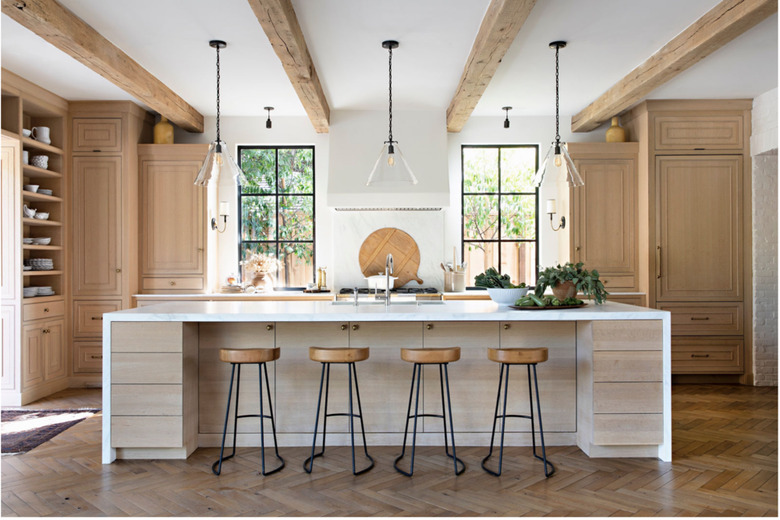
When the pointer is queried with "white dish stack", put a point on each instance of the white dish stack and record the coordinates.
(42, 264)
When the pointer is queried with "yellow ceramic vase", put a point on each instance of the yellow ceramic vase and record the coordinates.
(616, 133)
(163, 132)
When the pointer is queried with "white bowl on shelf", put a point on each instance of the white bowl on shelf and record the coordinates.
(41, 215)
(43, 191)
(26, 132)
(28, 241)
(42, 241)
(31, 187)
(507, 296)
(29, 212)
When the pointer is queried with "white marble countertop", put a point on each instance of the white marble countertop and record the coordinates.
(280, 311)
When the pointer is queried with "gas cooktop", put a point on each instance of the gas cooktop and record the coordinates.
(399, 290)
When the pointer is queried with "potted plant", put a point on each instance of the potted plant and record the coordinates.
(500, 287)
(567, 280)
(262, 268)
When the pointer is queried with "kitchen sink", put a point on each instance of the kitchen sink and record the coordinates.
(361, 303)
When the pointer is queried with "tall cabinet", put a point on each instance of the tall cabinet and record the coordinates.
(694, 185)
(604, 231)
(34, 247)
(105, 215)
(173, 219)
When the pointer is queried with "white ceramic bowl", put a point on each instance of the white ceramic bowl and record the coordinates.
(29, 212)
(31, 187)
(42, 215)
(26, 132)
(507, 296)
(42, 241)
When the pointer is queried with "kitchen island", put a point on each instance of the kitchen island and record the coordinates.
(605, 388)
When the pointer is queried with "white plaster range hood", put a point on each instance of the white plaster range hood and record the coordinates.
(356, 138)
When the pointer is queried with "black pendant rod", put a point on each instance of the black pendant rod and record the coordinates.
(390, 45)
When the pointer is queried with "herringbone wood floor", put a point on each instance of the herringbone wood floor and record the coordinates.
(725, 464)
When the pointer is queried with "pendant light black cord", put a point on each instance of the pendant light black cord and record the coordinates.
(390, 97)
(557, 99)
(218, 139)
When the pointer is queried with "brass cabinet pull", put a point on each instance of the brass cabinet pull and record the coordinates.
(343, 327)
(700, 355)
(695, 318)
(658, 262)
(269, 327)
(429, 326)
(118, 270)
(172, 282)
(97, 318)
(200, 249)
(45, 331)
(577, 248)
(355, 327)
(96, 356)
(506, 326)
(45, 309)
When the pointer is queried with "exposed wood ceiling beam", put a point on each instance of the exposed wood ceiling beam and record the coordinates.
(69, 33)
(278, 19)
(501, 23)
(719, 26)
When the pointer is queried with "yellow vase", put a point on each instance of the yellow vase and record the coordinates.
(616, 133)
(163, 132)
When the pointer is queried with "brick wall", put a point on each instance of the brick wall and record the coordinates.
(764, 141)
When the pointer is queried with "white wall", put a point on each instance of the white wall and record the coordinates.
(338, 252)
(763, 144)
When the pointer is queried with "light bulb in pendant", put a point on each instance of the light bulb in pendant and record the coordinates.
(558, 158)
(390, 160)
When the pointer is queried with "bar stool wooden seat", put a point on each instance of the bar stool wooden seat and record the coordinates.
(430, 356)
(348, 356)
(529, 357)
(259, 357)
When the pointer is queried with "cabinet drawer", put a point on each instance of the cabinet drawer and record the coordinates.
(146, 337)
(174, 283)
(627, 366)
(631, 299)
(97, 134)
(36, 311)
(628, 428)
(88, 316)
(628, 335)
(706, 319)
(699, 132)
(707, 356)
(87, 357)
(146, 400)
(146, 432)
(624, 282)
(627, 397)
(146, 368)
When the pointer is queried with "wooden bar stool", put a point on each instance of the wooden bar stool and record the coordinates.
(259, 357)
(430, 356)
(348, 356)
(518, 356)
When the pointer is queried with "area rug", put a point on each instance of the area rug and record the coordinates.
(23, 430)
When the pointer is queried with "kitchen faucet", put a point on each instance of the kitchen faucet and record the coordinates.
(388, 272)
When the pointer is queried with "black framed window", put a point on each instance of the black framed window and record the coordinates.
(500, 214)
(276, 211)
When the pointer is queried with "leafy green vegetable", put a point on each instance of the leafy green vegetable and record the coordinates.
(493, 280)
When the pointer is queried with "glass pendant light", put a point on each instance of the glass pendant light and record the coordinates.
(218, 160)
(391, 167)
(557, 159)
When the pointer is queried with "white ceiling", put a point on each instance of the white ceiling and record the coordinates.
(607, 39)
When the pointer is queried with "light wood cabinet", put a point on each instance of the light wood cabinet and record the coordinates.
(173, 218)
(105, 274)
(695, 228)
(604, 212)
(97, 251)
(699, 228)
(44, 352)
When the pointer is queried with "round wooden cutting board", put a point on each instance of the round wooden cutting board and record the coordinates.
(406, 255)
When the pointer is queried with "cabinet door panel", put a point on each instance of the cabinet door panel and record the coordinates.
(9, 331)
(10, 211)
(97, 134)
(173, 228)
(97, 233)
(54, 344)
(605, 225)
(33, 353)
(699, 228)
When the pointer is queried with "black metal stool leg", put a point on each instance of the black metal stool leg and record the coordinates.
(416, 376)
(261, 367)
(503, 422)
(455, 459)
(216, 468)
(310, 460)
(362, 427)
(548, 471)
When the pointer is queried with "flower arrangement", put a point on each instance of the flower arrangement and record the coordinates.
(260, 263)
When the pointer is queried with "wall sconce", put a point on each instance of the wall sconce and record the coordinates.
(506, 121)
(224, 211)
(268, 123)
(551, 210)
